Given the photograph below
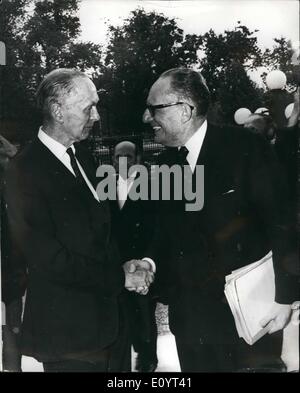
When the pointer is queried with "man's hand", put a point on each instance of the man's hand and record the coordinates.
(139, 276)
(278, 317)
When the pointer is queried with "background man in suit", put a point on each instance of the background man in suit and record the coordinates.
(263, 125)
(11, 293)
(133, 225)
(242, 219)
(73, 318)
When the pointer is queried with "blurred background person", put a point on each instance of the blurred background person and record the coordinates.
(133, 224)
(12, 285)
(263, 125)
(287, 148)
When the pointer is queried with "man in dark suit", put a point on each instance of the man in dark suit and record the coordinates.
(243, 217)
(73, 318)
(11, 292)
(133, 225)
(287, 149)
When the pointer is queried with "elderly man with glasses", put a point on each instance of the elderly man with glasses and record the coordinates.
(241, 221)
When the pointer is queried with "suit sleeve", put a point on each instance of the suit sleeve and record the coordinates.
(33, 231)
(268, 190)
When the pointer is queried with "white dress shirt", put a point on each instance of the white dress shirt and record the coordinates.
(124, 187)
(194, 145)
(60, 152)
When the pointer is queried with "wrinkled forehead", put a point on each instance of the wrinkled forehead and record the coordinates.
(161, 92)
(84, 90)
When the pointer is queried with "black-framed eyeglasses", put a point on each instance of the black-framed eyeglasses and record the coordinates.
(152, 108)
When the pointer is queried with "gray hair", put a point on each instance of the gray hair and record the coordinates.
(191, 85)
(56, 84)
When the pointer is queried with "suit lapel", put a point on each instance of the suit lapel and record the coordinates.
(53, 166)
(87, 165)
(209, 150)
(62, 177)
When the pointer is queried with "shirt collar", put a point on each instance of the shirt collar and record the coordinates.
(194, 144)
(55, 147)
(130, 178)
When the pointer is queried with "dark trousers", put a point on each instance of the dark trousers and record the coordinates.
(196, 357)
(263, 356)
(75, 366)
(142, 323)
(115, 358)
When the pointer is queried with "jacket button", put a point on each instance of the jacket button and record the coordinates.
(137, 224)
(181, 253)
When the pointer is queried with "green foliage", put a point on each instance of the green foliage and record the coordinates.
(51, 30)
(40, 36)
(280, 57)
(14, 94)
(236, 91)
(147, 44)
(43, 35)
(227, 58)
(142, 48)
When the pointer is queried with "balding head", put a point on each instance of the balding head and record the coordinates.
(128, 150)
(125, 148)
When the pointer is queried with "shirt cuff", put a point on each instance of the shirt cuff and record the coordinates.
(152, 263)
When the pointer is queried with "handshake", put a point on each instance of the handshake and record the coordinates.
(138, 276)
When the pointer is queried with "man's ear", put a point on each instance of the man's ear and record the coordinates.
(186, 113)
(56, 112)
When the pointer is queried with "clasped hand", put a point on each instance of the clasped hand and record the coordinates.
(138, 276)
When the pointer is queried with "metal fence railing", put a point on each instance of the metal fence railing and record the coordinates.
(102, 148)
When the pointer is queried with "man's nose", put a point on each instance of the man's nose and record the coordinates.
(94, 114)
(147, 116)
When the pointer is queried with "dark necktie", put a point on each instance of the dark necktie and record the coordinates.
(182, 156)
(186, 169)
(76, 169)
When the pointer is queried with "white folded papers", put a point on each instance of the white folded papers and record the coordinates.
(250, 292)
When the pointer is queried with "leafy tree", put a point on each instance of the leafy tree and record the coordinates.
(227, 57)
(13, 87)
(238, 46)
(40, 36)
(142, 48)
(236, 91)
(149, 43)
(279, 57)
(283, 57)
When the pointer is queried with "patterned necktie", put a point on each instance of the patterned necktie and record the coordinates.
(77, 171)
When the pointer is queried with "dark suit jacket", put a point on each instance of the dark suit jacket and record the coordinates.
(286, 146)
(74, 270)
(133, 226)
(242, 219)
